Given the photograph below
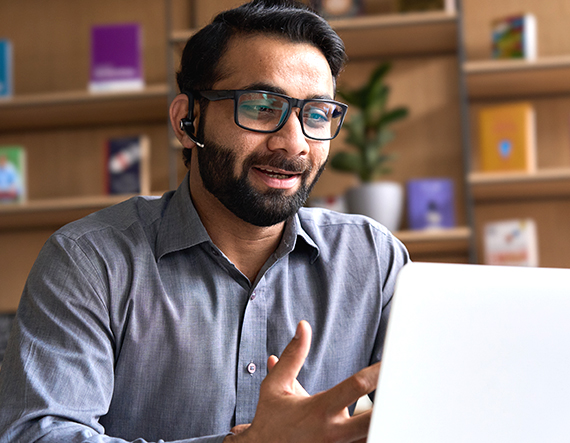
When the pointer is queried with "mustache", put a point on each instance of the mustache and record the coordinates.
(279, 161)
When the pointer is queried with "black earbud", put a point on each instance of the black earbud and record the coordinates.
(187, 124)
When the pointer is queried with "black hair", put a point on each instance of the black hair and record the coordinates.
(286, 18)
(199, 66)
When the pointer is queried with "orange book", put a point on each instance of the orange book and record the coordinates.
(507, 137)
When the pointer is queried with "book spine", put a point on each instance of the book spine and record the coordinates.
(6, 69)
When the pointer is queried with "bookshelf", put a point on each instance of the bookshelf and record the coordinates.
(545, 82)
(64, 127)
(419, 43)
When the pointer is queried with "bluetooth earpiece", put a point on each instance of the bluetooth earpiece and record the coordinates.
(187, 124)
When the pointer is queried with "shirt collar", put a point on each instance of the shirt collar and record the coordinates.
(293, 231)
(182, 228)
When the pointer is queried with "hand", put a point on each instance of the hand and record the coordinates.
(285, 412)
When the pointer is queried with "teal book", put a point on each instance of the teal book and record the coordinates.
(6, 69)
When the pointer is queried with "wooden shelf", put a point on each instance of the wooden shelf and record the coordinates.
(54, 212)
(387, 35)
(398, 34)
(72, 108)
(520, 185)
(514, 78)
(436, 241)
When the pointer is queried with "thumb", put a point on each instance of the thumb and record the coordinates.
(284, 371)
(271, 362)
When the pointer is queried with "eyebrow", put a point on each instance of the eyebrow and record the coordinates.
(260, 86)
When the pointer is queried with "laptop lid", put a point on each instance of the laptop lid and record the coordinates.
(476, 353)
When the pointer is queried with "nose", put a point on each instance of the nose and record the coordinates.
(290, 137)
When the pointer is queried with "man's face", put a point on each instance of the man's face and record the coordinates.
(264, 178)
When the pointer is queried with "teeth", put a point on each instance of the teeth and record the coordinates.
(274, 174)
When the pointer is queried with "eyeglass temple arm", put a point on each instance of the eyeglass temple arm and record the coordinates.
(216, 95)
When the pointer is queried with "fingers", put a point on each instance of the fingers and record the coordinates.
(284, 371)
(296, 388)
(238, 429)
(351, 389)
(271, 362)
(355, 429)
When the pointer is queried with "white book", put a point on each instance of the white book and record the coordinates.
(511, 243)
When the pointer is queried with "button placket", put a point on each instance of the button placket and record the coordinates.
(252, 354)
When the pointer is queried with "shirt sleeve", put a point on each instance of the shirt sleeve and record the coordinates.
(393, 257)
(57, 376)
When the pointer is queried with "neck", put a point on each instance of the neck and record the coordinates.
(247, 246)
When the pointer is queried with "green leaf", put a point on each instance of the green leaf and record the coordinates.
(384, 137)
(393, 116)
(367, 128)
(347, 162)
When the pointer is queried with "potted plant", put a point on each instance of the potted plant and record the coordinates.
(368, 131)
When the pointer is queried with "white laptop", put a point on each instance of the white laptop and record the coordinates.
(476, 353)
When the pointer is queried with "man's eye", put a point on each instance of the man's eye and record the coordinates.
(256, 109)
(316, 116)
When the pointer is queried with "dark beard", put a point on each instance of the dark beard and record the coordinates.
(217, 164)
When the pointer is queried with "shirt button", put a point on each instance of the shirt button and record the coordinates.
(253, 295)
(251, 368)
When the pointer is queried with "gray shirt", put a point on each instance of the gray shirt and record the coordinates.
(134, 325)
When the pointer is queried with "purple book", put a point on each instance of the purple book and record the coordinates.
(116, 58)
(430, 203)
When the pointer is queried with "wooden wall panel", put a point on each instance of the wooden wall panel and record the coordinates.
(17, 254)
(552, 131)
(51, 40)
(428, 142)
(69, 162)
(552, 217)
(552, 28)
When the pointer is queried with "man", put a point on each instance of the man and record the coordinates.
(161, 319)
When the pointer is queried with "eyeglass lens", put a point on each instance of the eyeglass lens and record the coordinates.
(266, 112)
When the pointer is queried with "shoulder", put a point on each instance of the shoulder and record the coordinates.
(315, 220)
(139, 213)
(331, 230)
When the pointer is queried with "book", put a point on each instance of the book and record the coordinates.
(511, 243)
(12, 174)
(127, 169)
(514, 37)
(430, 203)
(6, 69)
(116, 58)
(507, 137)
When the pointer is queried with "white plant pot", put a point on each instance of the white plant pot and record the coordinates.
(383, 201)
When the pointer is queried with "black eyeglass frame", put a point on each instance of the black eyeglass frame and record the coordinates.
(235, 94)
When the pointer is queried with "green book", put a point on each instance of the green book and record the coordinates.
(12, 174)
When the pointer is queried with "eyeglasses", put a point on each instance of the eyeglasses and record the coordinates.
(267, 112)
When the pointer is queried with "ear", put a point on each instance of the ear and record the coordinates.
(179, 110)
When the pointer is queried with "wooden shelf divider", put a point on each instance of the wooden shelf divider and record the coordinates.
(71, 108)
(544, 183)
(431, 241)
(494, 79)
(54, 212)
(398, 34)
